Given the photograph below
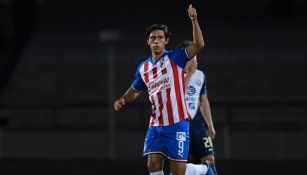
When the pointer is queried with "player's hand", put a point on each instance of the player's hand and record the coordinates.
(119, 104)
(211, 132)
(192, 12)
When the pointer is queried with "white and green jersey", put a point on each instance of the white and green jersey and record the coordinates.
(196, 88)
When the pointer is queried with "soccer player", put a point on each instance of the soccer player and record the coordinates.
(201, 124)
(162, 74)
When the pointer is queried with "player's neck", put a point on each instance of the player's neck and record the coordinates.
(156, 56)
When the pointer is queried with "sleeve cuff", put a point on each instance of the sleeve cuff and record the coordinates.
(186, 53)
(135, 89)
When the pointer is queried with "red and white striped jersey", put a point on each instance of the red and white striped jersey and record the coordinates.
(164, 80)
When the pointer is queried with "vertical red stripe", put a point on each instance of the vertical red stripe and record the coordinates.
(154, 71)
(160, 108)
(153, 115)
(183, 81)
(169, 107)
(146, 72)
(177, 89)
(183, 85)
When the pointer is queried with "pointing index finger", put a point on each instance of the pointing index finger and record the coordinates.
(190, 6)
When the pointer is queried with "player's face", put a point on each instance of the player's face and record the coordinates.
(157, 41)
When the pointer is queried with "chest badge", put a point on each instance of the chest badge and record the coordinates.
(198, 82)
(162, 63)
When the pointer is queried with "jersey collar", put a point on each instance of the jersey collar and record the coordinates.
(155, 62)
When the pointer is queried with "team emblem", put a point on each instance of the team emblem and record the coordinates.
(198, 82)
(162, 63)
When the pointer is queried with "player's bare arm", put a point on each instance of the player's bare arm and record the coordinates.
(198, 40)
(129, 95)
(206, 113)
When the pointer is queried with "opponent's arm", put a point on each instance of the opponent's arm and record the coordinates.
(206, 113)
(190, 69)
(198, 40)
(129, 95)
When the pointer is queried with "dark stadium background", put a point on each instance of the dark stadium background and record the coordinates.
(64, 62)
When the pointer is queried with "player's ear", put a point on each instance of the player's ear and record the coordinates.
(147, 40)
(166, 40)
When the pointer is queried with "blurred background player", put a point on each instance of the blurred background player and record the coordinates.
(162, 75)
(201, 124)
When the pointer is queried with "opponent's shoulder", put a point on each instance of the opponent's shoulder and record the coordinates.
(199, 73)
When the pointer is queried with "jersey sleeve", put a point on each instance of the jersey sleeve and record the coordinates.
(180, 56)
(138, 83)
(203, 90)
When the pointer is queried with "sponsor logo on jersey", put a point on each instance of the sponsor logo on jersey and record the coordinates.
(191, 105)
(191, 91)
(161, 84)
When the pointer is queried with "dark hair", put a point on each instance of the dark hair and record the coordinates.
(184, 44)
(162, 27)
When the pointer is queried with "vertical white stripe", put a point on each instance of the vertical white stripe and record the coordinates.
(150, 120)
(142, 70)
(150, 73)
(156, 102)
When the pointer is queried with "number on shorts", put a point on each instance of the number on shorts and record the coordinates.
(207, 142)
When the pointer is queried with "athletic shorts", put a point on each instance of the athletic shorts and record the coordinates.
(172, 141)
(200, 143)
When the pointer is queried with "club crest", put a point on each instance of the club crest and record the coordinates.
(198, 82)
(162, 63)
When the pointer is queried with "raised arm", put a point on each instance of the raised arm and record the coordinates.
(129, 95)
(198, 40)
